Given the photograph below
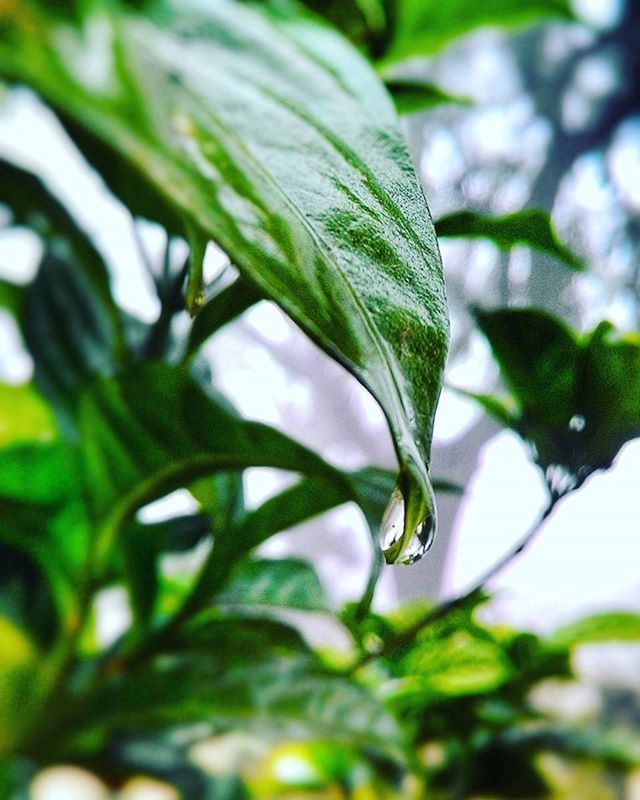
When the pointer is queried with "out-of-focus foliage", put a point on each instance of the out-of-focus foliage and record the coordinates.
(290, 156)
(574, 398)
(530, 228)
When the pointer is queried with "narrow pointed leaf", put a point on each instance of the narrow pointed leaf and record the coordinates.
(153, 430)
(615, 626)
(221, 309)
(34, 206)
(271, 135)
(422, 28)
(532, 228)
(412, 96)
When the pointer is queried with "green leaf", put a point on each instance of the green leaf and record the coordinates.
(618, 748)
(280, 694)
(153, 430)
(413, 95)
(70, 331)
(456, 665)
(42, 517)
(575, 399)
(287, 583)
(367, 23)
(175, 535)
(25, 597)
(223, 308)
(422, 28)
(23, 416)
(11, 297)
(616, 626)
(531, 228)
(207, 108)
(33, 206)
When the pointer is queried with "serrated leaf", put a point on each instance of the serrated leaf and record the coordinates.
(456, 665)
(531, 228)
(247, 673)
(339, 236)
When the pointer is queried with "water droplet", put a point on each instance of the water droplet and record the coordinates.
(393, 527)
(577, 423)
(560, 479)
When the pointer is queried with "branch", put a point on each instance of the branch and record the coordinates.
(407, 636)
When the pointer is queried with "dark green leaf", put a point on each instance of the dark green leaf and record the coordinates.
(207, 107)
(287, 582)
(616, 748)
(575, 398)
(219, 311)
(70, 332)
(25, 595)
(11, 297)
(235, 683)
(42, 515)
(153, 430)
(531, 228)
(140, 573)
(178, 534)
(412, 95)
(33, 206)
(423, 28)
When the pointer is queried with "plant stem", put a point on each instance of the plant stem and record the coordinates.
(406, 637)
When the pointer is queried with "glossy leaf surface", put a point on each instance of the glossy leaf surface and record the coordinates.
(206, 107)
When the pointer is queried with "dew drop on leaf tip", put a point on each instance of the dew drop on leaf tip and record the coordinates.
(393, 526)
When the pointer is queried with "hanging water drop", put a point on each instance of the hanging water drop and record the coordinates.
(393, 528)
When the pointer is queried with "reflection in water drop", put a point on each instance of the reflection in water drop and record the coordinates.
(560, 479)
(393, 526)
(577, 423)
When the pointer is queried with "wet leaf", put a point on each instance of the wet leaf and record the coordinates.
(574, 398)
(340, 236)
